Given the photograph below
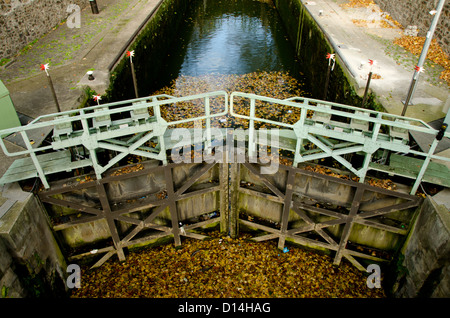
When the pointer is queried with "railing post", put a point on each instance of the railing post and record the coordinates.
(33, 156)
(159, 120)
(424, 167)
(208, 126)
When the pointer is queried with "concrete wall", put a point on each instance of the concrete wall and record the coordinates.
(416, 12)
(23, 21)
(31, 263)
(423, 269)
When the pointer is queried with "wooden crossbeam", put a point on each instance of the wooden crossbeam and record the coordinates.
(264, 179)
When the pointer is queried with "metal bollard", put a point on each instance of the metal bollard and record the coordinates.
(94, 6)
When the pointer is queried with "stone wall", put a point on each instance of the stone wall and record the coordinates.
(23, 21)
(416, 12)
(31, 263)
(423, 268)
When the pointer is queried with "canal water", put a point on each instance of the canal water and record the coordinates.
(231, 37)
(228, 37)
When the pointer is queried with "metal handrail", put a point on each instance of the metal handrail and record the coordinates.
(367, 141)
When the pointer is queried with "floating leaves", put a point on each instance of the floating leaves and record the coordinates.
(272, 84)
(224, 267)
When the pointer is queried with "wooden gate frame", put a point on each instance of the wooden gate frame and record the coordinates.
(355, 216)
(106, 213)
(229, 189)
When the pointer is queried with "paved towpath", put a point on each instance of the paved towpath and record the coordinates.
(358, 42)
(71, 52)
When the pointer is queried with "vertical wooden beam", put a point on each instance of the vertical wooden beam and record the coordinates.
(224, 193)
(286, 208)
(109, 219)
(235, 177)
(172, 205)
(348, 225)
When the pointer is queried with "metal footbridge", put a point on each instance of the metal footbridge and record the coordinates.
(317, 130)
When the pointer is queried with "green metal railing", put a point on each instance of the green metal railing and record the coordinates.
(95, 128)
(322, 130)
(356, 130)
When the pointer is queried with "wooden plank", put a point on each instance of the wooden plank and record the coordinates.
(224, 198)
(193, 178)
(381, 226)
(106, 257)
(311, 243)
(348, 226)
(70, 224)
(415, 164)
(146, 238)
(286, 208)
(235, 177)
(313, 208)
(265, 237)
(301, 229)
(141, 205)
(436, 173)
(354, 262)
(198, 192)
(72, 205)
(387, 209)
(172, 197)
(200, 224)
(266, 196)
(366, 256)
(24, 168)
(260, 227)
(318, 230)
(8, 178)
(101, 250)
(266, 182)
(195, 236)
(110, 220)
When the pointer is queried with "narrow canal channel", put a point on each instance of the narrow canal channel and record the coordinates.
(231, 37)
(215, 41)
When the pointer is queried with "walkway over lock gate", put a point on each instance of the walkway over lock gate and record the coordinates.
(157, 199)
(316, 130)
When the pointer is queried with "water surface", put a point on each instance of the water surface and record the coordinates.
(230, 37)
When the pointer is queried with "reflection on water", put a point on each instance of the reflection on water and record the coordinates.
(230, 37)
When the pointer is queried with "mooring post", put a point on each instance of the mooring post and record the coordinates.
(366, 91)
(372, 63)
(331, 63)
(45, 67)
(130, 54)
(94, 6)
